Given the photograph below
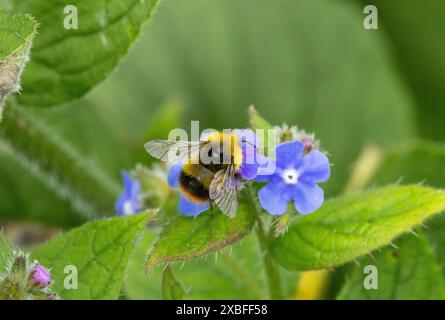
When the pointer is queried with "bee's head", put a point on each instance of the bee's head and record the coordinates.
(225, 148)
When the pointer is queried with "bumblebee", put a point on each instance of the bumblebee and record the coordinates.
(209, 168)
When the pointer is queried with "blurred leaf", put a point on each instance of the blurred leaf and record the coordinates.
(25, 197)
(420, 60)
(6, 5)
(407, 271)
(99, 250)
(350, 226)
(63, 168)
(16, 35)
(96, 141)
(256, 121)
(6, 254)
(171, 289)
(67, 63)
(236, 272)
(185, 238)
(414, 162)
(167, 118)
(309, 63)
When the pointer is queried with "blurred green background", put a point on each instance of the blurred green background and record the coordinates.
(304, 62)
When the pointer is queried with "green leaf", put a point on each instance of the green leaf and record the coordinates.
(187, 238)
(350, 226)
(171, 289)
(6, 254)
(48, 156)
(16, 35)
(236, 272)
(67, 63)
(421, 61)
(99, 250)
(418, 161)
(406, 271)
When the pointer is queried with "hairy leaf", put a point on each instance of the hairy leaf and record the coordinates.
(418, 161)
(406, 271)
(6, 253)
(16, 35)
(99, 251)
(186, 237)
(350, 226)
(414, 162)
(69, 62)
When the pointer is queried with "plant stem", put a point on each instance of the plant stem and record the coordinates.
(270, 266)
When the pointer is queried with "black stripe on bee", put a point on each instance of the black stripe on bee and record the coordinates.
(193, 188)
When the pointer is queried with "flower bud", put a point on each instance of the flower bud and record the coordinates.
(309, 141)
(41, 276)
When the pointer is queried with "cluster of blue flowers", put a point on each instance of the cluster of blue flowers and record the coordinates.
(298, 168)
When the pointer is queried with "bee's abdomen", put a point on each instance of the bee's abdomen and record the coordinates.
(192, 188)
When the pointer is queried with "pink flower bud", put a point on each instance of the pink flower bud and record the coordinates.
(41, 276)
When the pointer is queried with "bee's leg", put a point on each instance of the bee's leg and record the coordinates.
(212, 213)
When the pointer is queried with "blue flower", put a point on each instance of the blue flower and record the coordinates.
(186, 206)
(128, 202)
(295, 178)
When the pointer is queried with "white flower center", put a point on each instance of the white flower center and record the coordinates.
(128, 208)
(290, 176)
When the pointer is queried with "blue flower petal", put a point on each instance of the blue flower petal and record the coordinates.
(127, 182)
(289, 154)
(266, 168)
(262, 178)
(275, 197)
(173, 175)
(128, 201)
(248, 171)
(249, 147)
(135, 189)
(316, 167)
(308, 197)
(126, 206)
(119, 206)
(190, 208)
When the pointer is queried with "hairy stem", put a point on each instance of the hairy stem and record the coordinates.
(270, 266)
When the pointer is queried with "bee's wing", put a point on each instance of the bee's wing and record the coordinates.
(224, 191)
(173, 151)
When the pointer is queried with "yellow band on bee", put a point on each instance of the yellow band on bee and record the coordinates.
(231, 143)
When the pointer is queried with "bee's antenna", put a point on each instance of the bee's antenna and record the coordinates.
(244, 140)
